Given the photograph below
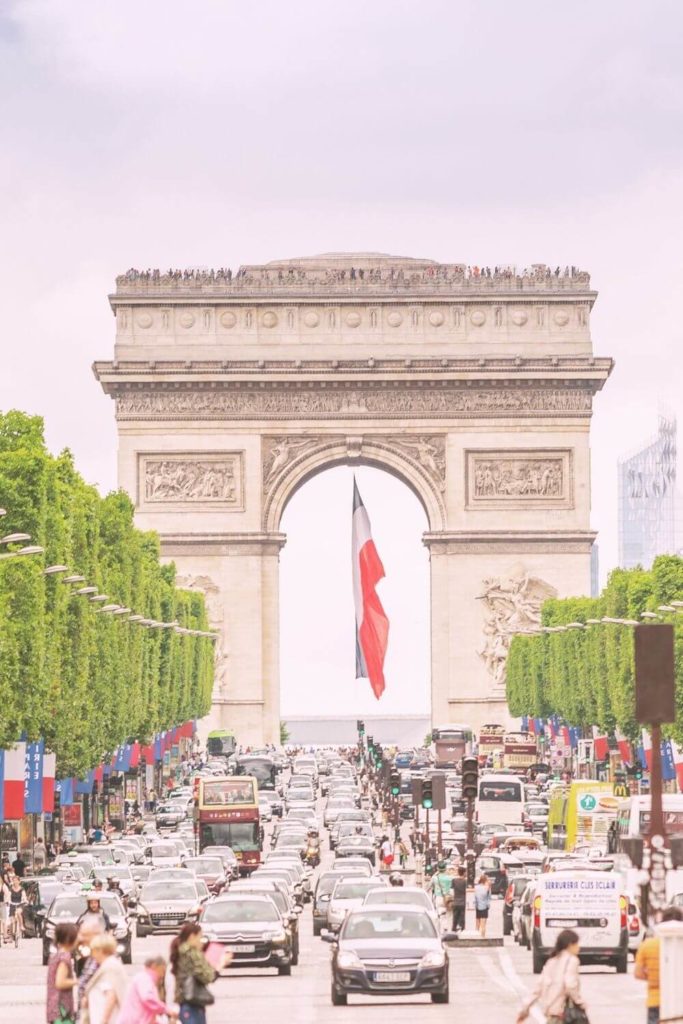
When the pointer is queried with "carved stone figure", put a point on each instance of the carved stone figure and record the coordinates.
(211, 596)
(430, 452)
(511, 605)
(514, 478)
(172, 480)
(279, 452)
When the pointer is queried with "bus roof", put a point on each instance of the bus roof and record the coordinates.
(219, 733)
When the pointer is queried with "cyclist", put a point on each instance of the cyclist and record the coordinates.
(17, 899)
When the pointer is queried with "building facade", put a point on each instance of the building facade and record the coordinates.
(647, 499)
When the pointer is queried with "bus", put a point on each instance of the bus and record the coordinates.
(451, 744)
(228, 815)
(580, 814)
(500, 800)
(519, 751)
(491, 742)
(261, 766)
(221, 743)
(633, 816)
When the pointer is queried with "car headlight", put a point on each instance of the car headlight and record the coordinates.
(348, 961)
(434, 959)
(279, 936)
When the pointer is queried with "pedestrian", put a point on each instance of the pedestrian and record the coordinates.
(441, 887)
(39, 855)
(193, 973)
(402, 850)
(61, 980)
(482, 903)
(19, 865)
(386, 852)
(559, 986)
(459, 893)
(143, 1002)
(105, 992)
(647, 964)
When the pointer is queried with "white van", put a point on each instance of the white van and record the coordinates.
(500, 800)
(593, 904)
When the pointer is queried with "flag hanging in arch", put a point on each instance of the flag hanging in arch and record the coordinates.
(372, 624)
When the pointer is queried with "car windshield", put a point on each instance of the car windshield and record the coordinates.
(205, 865)
(397, 896)
(74, 906)
(112, 871)
(163, 891)
(353, 890)
(389, 924)
(47, 892)
(163, 850)
(241, 910)
(224, 852)
(357, 828)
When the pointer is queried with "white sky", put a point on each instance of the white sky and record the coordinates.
(166, 133)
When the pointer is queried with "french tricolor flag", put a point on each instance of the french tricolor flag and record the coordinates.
(49, 775)
(12, 769)
(600, 745)
(372, 624)
(647, 749)
(625, 751)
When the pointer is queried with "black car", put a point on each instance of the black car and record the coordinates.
(40, 893)
(68, 907)
(512, 895)
(252, 928)
(388, 951)
(496, 867)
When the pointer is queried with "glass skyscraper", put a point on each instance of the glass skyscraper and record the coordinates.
(647, 499)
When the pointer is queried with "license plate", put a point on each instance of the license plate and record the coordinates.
(392, 976)
(557, 923)
(241, 949)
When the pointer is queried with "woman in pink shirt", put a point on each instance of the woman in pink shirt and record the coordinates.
(143, 1004)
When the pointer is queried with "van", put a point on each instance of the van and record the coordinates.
(592, 903)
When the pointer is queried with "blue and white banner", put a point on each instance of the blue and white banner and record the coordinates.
(33, 778)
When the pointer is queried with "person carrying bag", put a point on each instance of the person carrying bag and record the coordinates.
(558, 992)
(193, 974)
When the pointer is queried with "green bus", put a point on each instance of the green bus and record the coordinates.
(221, 743)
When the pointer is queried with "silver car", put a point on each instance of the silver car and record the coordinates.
(165, 906)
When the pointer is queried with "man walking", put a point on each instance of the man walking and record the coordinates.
(647, 964)
(459, 891)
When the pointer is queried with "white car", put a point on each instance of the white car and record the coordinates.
(411, 894)
(349, 894)
(264, 809)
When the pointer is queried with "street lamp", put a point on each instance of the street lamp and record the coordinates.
(650, 615)
(34, 549)
(14, 538)
(74, 579)
(666, 608)
(52, 570)
(99, 597)
(3, 511)
(86, 590)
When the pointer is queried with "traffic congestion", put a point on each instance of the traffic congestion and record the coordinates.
(379, 869)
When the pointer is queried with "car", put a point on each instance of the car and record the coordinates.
(251, 927)
(287, 874)
(348, 894)
(388, 951)
(67, 907)
(169, 815)
(513, 894)
(334, 807)
(406, 894)
(522, 915)
(289, 910)
(163, 855)
(535, 817)
(323, 892)
(164, 906)
(227, 855)
(276, 803)
(264, 808)
(210, 869)
(636, 925)
(497, 868)
(347, 821)
(355, 845)
(346, 864)
(40, 893)
(123, 875)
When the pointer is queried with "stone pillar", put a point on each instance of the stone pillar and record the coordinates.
(239, 573)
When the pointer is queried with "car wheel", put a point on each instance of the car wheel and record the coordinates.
(440, 997)
(621, 964)
(295, 955)
(285, 969)
(338, 998)
(538, 962)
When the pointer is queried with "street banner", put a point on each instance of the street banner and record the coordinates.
(12, 769)
(134, 760)
(678, 763)
(668, 766)
(600, 745)
(49, 772)
(67, 792)
(625, 750)
(372, 624)
(85, 786)
(647, 749)
(33, 778)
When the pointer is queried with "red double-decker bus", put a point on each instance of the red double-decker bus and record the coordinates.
(228, 815)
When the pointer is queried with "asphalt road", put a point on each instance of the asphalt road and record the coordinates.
(486, 987)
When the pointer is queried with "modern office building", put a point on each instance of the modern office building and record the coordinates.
(647, 499)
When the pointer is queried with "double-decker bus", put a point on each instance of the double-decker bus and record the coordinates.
(491, 742)
(451, 744)
(228, 815)
(519, 751)
(221, 743)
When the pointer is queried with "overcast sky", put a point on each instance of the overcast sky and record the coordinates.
(164, 133)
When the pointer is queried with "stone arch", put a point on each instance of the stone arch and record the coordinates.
(417, 461)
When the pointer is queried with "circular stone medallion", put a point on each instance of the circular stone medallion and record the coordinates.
(269, 319)
(311, 319)
(561, 318)
(436, 318)
(394, 319)
(186, 319)
(143, 320)
(228, 319)
(478, 318)
(519, 317)
(353, 319)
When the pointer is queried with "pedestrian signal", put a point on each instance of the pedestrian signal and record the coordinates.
(470, 777)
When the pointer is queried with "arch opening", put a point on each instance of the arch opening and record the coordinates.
(317, 639)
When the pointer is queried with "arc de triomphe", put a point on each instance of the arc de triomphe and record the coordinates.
(474, 387)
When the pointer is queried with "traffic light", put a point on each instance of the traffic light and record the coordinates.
(427, 794)
(395, 781)
(470, 777)
(360, 725)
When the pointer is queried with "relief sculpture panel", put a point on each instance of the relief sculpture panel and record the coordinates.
(522, 478)
(511, 605)
(191, 480)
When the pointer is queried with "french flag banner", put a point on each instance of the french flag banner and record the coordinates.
(12, 782)
(600, 745)
(49, 773)
(647, 749)
(372, 624)
(678, 763)
(625, 750)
